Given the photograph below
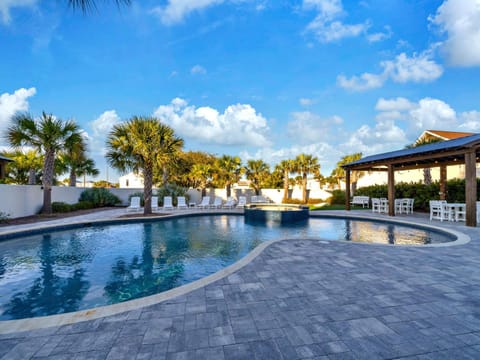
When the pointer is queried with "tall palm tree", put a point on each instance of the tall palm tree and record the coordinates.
(74, 160)
(228, 170)
(86, 5)
(48, 135)
(355, 176)
(285, 166)
(305, 164)
(257, 171)
(142, 144)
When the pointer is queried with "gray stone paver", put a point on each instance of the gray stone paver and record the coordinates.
(298, 299)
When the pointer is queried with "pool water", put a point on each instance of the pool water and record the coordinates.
(65, 271)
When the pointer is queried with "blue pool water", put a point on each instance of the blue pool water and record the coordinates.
(65, 271)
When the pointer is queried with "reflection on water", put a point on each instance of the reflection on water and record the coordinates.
(79, 269)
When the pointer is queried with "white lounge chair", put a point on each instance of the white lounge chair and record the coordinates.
(181, 203)
(205, 204)
(242, 201)
(167, 203)
(154, 203)
(230, 203)
(217, 203)
(134, 204)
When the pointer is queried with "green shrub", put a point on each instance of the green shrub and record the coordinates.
(338, 198)
(99, 197)
(310, 201)
(83, 205)
(4, 216)
(61, 207)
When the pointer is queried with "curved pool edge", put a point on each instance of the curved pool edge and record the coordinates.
(37, 323)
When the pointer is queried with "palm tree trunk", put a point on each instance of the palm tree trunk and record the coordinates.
(73, 178)
(285, 185)
(48, 168)
(147, 189)
(304, 188)
(31, 177)
(229, 190)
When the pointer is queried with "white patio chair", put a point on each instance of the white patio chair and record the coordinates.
(205, 204)
(167, 203)
(408, 205)
(181, 203)
(154, 203)
(230, 203)
(375, 205)
(399, 206)
(438, 210)
(242, 201)
(134, 204)
(217, 203)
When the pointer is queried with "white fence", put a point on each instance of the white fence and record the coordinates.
(27, 200)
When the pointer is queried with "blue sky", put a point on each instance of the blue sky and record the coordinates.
(255, 78)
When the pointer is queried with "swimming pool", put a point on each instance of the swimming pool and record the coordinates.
(64, 271)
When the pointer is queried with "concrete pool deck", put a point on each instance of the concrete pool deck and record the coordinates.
(297, 299)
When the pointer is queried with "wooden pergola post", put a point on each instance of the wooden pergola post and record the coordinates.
(443, 182)
(347, 189)
(391, 190)
(471, 188)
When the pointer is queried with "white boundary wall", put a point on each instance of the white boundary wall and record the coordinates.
(27, 200)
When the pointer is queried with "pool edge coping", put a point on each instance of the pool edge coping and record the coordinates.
(42, 322)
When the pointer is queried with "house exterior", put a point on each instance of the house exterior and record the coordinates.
(453, 172)
(131, 181)
(3, 163)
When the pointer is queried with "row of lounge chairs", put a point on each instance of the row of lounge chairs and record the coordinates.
(182, 204)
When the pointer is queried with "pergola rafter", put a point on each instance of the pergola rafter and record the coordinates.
(465, 150)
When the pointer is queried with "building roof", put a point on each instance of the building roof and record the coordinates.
(5, 159)
(446, 135)
(444, 152)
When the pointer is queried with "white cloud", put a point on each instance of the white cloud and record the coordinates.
(101, 127)
(433, 114)
(176, 10)
(327, 26)
(380, 36)
(417, 68)
(398, 104)
(7, 5)
(306, 101)
(470, 121)
(460, 20)
(198, 70)
(239, 124)
(366, 81)
(10, 104)
(307, 127)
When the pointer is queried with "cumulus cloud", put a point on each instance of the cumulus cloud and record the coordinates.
(10, 104)
(198, 70)
(470, 121)
(311, 127)
(306, 101)
(101, 127)
(418, 68)
(239, 124)
(7, 5)
(459, 20)
(176, 10)
(380, 36)
(327, 26)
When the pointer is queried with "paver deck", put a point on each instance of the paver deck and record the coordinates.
(299, 299)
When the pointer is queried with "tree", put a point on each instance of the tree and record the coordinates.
(257, 172)
(228, 170)
(201, 174)
(339, 172)
(142, 144)
(74, 160)
(305, 164)
(48, 135)
(285, 167)
(26, 167)
(86, 5)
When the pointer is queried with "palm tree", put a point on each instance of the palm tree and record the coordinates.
(257, 172)
(427, 173)
(355, 176)
(285, 167)
(26, 167)
(142, 144)
(74, 160)
(228, 170)
(306, 164)
(48, 135)
(86, 5)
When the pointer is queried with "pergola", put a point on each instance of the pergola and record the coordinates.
(464, 150)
